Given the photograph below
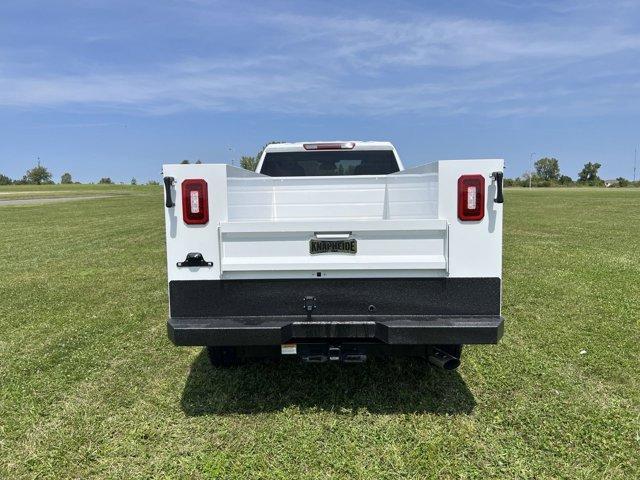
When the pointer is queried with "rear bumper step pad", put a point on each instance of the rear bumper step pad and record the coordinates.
(392, 330)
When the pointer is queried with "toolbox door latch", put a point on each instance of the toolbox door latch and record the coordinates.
(194, 259)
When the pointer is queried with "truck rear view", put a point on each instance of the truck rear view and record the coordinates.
(334, 252)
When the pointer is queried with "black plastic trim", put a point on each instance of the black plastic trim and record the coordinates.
(497, 176)
(168, 181)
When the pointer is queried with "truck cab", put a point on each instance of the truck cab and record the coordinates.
(322, 159)
(333, 251)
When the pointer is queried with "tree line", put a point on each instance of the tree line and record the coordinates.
(40, 175)
(547, 174)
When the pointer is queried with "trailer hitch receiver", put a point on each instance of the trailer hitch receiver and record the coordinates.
(309, 305)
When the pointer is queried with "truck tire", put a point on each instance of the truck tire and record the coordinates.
(223, 356)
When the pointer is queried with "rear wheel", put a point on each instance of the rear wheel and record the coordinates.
(223, 356)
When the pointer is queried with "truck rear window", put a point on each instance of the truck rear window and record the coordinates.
(329, 163)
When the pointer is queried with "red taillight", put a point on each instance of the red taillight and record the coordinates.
(195, 202)
(329, 146)
(471, 197)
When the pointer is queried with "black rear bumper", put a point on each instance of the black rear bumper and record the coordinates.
(393, 311)
(390, 330)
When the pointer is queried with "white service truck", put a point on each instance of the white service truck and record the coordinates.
(333, 251)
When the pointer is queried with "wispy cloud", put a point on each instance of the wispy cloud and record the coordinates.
(357, 64)
(454, 42)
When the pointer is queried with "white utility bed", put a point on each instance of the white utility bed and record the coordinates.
(405, 224)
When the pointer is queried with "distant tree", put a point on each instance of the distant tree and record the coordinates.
(548, 168)
(249, 163)
(520, 182)
(198, 162)
(184, 162)
(38, 175)
(589, 174)
(565, 180)
(66, 178)
(106, 180)
(622, 182)
(535, 179)
(152, 182)
(134, 181)
(4, 180)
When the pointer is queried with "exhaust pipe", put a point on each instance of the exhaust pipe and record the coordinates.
(443, 360)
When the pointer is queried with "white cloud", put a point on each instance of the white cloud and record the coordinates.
(362, 64)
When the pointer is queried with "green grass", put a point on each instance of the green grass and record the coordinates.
(91, 387)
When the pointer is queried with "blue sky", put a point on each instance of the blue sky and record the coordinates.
(116, 88)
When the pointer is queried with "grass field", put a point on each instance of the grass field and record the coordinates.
(91, 387)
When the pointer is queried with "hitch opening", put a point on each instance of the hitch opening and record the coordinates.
(321, 353)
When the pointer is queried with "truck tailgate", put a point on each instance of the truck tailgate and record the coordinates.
(285, 245)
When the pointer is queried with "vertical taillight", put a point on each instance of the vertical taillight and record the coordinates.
(195, 202)
(471, 197)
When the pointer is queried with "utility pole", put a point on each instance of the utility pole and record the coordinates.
(531, 167)
(233, 160)
(635, 160)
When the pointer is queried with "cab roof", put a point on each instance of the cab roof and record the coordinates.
(300, 146)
